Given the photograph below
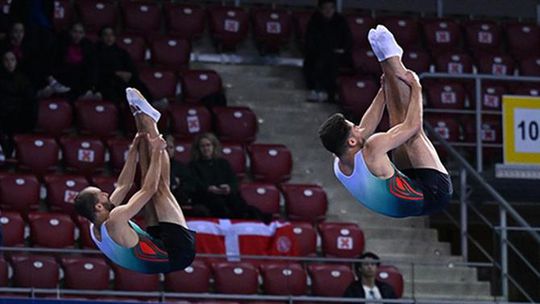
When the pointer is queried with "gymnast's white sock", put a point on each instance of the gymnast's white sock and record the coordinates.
(372, 37)
(139, 104)
(386, 44)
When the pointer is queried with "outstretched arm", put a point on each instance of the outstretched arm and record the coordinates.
(149, 187)
(127, 175)
(381, 143)
(372, 116)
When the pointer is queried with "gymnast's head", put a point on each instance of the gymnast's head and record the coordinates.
(340, 136)
(93, 204)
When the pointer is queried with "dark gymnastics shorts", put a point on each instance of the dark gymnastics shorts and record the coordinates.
(436, 187)
(178, 241)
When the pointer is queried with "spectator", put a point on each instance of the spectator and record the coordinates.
(18, 105)
(116, 69)
(328, 44)
(75, 64)
(216, 185)
(366, 286)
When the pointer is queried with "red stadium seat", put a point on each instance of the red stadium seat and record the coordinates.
(4, 272)
(454, 63)
(83, 154)
(96, 117)
(53, 230)
(63, 14)
(417, 60)
(134, 45)
(483, 35)
(343, 240)
(105, 183)
(118, 149)
(170, 53)
(160, 82)
(527, 89)
(94, 270)
(329, 280)
(184, 20)
(237, 124)
(235, 277)
(62, 190)
(284, 279)
(12, 229)
(442, 34)
(448, 95)
(35, 271)
(270, 163)
(305, 202)
(391, 276)
(271, 28)
(54, 116)
(521, 36)
(236, 156)
(261, 195)
(19, 191)
(530, 66)
(228, 25)
(360, 26)
(141, 17)
(30, 146)
(306, 238)
(190, 121)
(84, 230)
(194, 278)
(405, 30)
(446, 126)
(96, 15)
(492, 129)
(496, 64)
(197, 84)
(128, 280)
(356, 93)
(365, 62)
(182, 150)
(301, 20)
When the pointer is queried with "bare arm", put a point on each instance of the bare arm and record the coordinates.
(127, 175)
(383, 142)
(148, 189)
(372, 116)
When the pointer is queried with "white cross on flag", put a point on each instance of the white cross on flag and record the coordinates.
(231, 25)
(345, 242)
(85, 155)
(69, 196)
(193, 124)
(442, 36)
(273, 27)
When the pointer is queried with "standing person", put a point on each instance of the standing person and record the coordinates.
(366, 286)
(328, 45)
(417, 182)
(167, 244)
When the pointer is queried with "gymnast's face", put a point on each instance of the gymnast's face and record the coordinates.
(355, 135)
(103, 204)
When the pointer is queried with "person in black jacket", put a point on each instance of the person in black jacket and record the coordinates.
(116, 69)
(328, 45)
(366, 286)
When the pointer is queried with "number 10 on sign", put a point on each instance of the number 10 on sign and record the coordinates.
(521, 117)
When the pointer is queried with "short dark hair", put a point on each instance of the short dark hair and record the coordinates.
(334, 133)
(85, 203)
(366, 255)
(323, 2)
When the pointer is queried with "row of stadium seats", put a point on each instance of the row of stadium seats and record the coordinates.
(59, 230)
(278, 278)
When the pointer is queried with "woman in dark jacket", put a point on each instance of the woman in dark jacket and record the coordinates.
(328, 44)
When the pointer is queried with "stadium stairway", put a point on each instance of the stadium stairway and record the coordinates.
(277, 96)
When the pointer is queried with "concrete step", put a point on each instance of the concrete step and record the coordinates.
(433, 273)
(432, 289)
(408, 247)
(399, 233)
(400, 259)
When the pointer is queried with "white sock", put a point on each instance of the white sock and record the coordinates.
(139, 104)
(372, 38)
(386, 44)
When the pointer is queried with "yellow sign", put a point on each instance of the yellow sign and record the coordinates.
(521, 127)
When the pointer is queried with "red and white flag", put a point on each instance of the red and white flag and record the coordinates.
(243, 237)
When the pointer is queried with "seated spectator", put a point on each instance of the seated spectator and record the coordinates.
(18, 104)
(328, 44)
(75, 64)
(366, 286)
(216, 186)
(116, 69)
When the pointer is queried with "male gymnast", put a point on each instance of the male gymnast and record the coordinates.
(416, 183)
(167, 244)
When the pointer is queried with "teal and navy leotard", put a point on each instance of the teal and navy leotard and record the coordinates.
(146, 256)
(396, 196)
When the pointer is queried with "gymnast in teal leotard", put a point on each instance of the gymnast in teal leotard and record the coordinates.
(416, 183)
